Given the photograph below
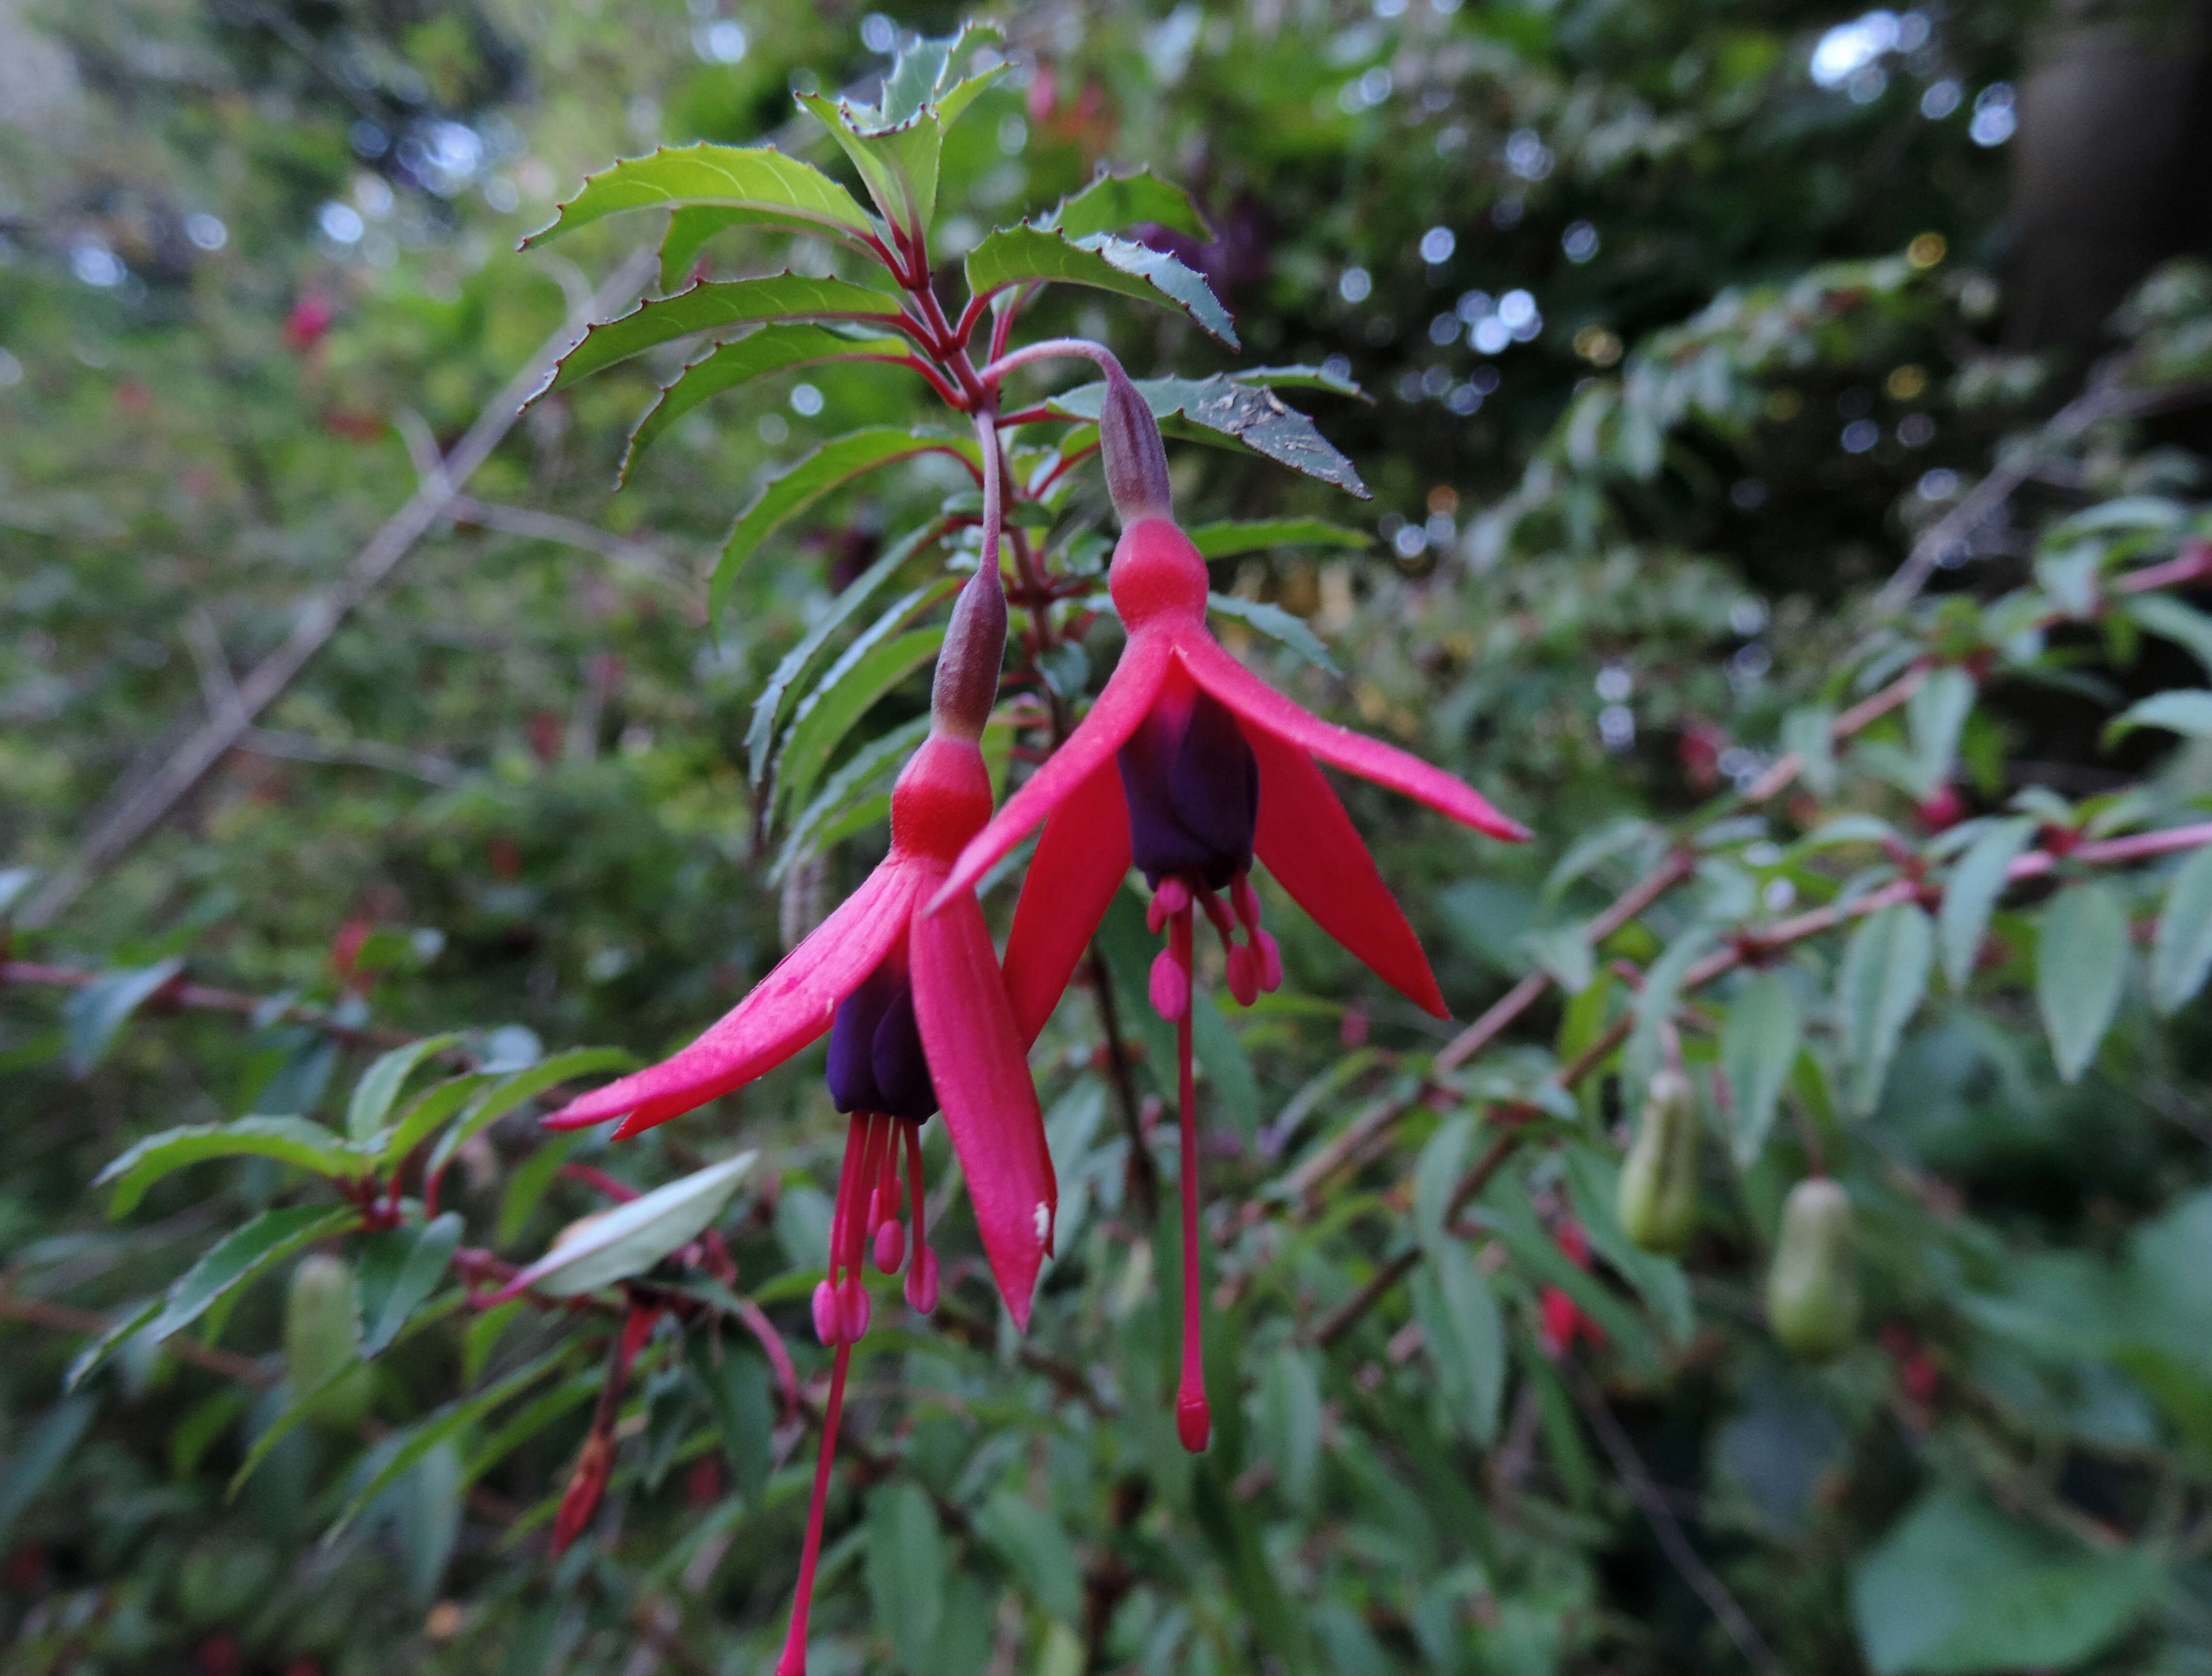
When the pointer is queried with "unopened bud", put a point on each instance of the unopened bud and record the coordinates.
(967, 681)
(1136, 461)
(1811, 1291)
(1658, 1202)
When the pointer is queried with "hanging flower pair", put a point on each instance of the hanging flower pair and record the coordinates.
(1188, 767)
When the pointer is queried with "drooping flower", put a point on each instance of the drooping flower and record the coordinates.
(1188, 765)
(918, 1021)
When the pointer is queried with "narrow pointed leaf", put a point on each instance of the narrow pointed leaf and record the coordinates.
(399, 1270)
(856, 795)
(1465, 1332)
(39, 1455)
(287, 1140)
(1884, 974)
(2170, 619)
(2185, 710)
(92, 1016)
(1758, 1045)
(1025, 254)
(1436, 1173)
(836, 462)
(2181, 948)
(426, 1112)
(1976, 884)
(905, 1567)
(759, 181)
(523, 1085)
(1113, 202)
(240, 1256)
(897, 163)
(1229, 538)
(379, 1085)
(1277, 624)
(772, 349)
(713, 305)
(631, 1238)
(1935, 715)
(1231, 413)
(925, 73)
(844, 696)
(2081, 966)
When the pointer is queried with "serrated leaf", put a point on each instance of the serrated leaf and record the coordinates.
(847, 694)
(1466, 1336)
(1884, 974)
(93, 1015)
(897, 160)
(631, 1238)
(1229, 412)
(1277, 624)
(497, 1102)
(399, 1270)
(756, 181)
(918, 77)
(835, 463)
(1758, 1045)
(1026, 254)
(2181, 947)
(772, 349)
(425, 1112)
(2185, 710)
(240, 1256)
(2080, 968)
(1112, 202)
(379, 1085)
(905, 1568)
(121, 1327)
(1302, 377)
(1230, 537)
(287, 1140)
(713, 305)
(1976, 884)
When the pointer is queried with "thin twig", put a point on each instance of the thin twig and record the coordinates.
(37, 1312)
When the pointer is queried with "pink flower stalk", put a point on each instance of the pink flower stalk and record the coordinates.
(918, 1021)
(1188, 765)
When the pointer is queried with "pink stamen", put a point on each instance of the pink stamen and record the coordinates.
(891, 1245)
(794, 1662)
(1170, 979)
(921, 1277)
(1194, 1419)
(1243, 974)
(1172, 898)
(828, 1323)
(1271, 959)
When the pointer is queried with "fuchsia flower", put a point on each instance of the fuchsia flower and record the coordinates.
(1188, 765)
(918, 1021)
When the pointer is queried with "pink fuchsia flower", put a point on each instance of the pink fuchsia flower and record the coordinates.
(918, 1021)
(1188, 766)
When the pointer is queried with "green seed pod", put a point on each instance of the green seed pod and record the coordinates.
(1658, 1202)
(322, 1337)
(1812, 1290)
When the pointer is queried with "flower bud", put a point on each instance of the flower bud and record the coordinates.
(1658, 1202)
(322, 1340)
(1136, 461)
(1811, 1291)
(966, 685)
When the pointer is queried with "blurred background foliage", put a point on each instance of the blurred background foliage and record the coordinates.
(1682, 327)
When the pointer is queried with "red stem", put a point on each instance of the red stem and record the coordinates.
(1194, 1420)
(794, 1662)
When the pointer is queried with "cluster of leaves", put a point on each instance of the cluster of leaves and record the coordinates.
(1882, 869)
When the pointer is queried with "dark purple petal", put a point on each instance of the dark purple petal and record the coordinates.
(876, 1062)
(1193, 792)
(901, 1070)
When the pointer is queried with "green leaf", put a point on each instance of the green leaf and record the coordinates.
(379, 1085)
(1466, 1337)
(2181, 948)
(799, 661)
(1934, 716)
(757, 183)
(1976, 884)
(1437, 1172)
(119, 1328)
(917, 81)
(1654, 1006)
(14, 881)
(1289, 1430)
(906, 1571)
(835, 462)
(40, 1455)
(1303, 378)
(1884, 974)
(897, 163)
(396, 1453)
(2080, 968)
(870, 667)
(711, 305)
(1229, 537)
(2184, 710)
(1594, 1181)
(1277, 624)
(772, 349)
(1026, 254)
(240, 1255)
(1956, 1589)
(734, 1378)
(1112, 202)
(503, 1097)
(426, 1112)
(1229, 412)
(631, 1238)
(1758, 1045)
(288, 1140)
(399, 1270)
(2163, 615)
(92, 1016)
(1030, 1542)
(1223, 1063)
